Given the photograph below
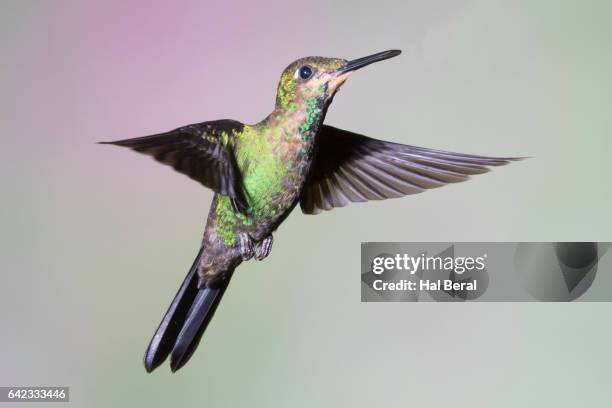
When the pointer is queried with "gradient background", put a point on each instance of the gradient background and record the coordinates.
(96, 239)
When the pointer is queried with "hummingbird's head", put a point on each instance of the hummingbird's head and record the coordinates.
(319, 78)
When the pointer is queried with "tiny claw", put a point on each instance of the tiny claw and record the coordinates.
(245, 245)
(263, 248)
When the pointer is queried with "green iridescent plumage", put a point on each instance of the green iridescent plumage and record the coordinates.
(260, 172)
(273, 155)
(262, 176)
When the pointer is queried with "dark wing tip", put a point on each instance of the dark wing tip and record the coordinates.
(116, 142)
(502, 161)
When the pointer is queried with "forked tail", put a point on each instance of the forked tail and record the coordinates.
(184, 323)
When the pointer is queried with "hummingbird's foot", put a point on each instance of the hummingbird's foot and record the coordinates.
(263, 248)
(245, 245)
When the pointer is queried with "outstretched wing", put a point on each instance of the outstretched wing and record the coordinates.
(351, 167)
(202, 151)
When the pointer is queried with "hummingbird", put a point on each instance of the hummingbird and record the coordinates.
(260, 172)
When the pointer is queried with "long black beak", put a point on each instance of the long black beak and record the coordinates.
(370, 59)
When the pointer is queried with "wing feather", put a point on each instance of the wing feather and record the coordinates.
(351, 167)
(202, 151)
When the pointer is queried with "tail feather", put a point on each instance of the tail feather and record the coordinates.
(183, 324)
(200, 314)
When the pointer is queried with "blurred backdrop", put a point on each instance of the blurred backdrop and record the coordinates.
(96, 239)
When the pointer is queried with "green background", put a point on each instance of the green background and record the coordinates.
(95, 239)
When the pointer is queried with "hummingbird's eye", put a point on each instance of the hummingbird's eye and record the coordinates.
(305, 72)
